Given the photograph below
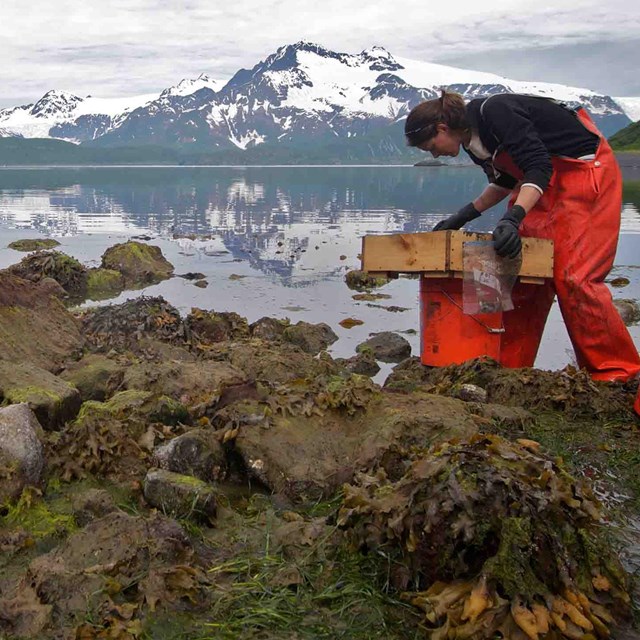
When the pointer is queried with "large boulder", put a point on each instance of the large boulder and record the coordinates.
(180, 496)
(319, 440)
(193, 383)
(34, 324)
(21, 452)
(386, 346)
(311, 338)
(53, 400)
(139, 263)
(197, 453)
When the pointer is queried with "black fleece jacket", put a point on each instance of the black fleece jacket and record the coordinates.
(530, 129)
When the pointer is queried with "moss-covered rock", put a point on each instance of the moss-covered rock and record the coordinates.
(53, 400)
(117, 567)
(34, 324)
(273, 364)
(180, 496)
(34, 244)
(363, 363)
(139, 263)
(269, 329)
(67, 271)
(95, 376)
(104, 283)
(386, 346)
(570, 391)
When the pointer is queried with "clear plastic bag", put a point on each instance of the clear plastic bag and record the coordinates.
(487, 279)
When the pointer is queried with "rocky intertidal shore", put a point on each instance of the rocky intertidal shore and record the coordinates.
(170, 475)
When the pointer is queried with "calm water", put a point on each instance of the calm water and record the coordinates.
(290, 232)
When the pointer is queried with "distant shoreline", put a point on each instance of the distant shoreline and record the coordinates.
(629, 162)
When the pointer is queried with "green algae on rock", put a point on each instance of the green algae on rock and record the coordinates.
(104, 283)
(139, 263)
(53, 400)
(180, 496)
(95, 376)
(34, 244)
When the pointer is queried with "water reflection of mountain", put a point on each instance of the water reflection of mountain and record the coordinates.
(263, 215)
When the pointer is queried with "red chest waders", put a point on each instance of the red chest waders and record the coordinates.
(580, 212)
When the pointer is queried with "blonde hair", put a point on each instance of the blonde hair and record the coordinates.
(423, 120)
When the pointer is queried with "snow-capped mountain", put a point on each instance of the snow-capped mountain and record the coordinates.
(59, 114)
(631, 107)
(302, 96)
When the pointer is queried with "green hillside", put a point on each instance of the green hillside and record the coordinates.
(627, 139)
(386, 147)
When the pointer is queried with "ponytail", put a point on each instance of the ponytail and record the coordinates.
(423, 120)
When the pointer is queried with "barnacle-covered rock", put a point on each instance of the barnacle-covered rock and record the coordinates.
(499, 540)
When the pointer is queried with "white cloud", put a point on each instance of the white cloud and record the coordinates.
(125, 47)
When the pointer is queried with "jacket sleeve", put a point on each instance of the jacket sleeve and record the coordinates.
(511, 126)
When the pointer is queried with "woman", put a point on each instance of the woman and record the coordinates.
(564, 184)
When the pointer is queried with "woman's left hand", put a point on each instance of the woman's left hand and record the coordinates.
(506, 238)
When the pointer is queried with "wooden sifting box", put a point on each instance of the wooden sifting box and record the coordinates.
(439, 254)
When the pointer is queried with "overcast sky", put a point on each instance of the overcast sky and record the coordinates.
(126, 47)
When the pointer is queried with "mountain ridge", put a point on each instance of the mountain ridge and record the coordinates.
(301, 96)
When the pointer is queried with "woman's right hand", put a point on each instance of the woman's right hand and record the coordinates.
(458, 220)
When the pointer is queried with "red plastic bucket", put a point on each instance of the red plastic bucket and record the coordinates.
(448, 336)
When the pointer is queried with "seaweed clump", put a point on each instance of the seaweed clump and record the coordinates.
(496, 541)
(64, 269)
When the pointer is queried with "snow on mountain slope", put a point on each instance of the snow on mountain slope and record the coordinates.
(188, 86)
(59, 108)
(631, 106)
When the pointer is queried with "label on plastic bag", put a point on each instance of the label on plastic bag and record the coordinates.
(487, 279)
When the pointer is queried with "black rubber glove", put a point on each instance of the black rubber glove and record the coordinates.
(506, 239)
(458, 220)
